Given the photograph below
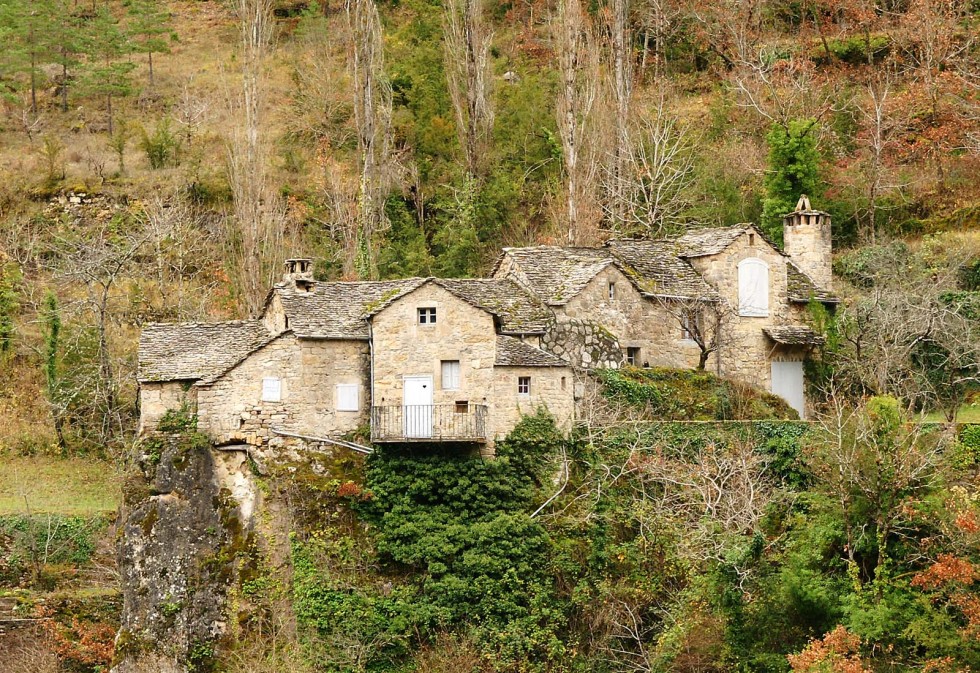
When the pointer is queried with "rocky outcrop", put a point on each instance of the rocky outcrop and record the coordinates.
(185, 529)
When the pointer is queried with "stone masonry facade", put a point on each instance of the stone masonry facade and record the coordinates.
(336, 360)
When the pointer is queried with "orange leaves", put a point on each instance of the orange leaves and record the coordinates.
(837, 652)
(81, 645)
(946, 570)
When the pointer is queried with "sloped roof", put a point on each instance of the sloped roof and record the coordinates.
(800, 287)
(513, 352)
(794, 335)
(195, 351)
(704, 241)
(337, 310)
(518, 310)
(661, 271)
(557, 274)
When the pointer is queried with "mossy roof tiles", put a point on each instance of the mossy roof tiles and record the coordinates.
(196, 351)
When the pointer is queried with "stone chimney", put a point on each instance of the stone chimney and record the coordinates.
(299, 273)
(806, 239)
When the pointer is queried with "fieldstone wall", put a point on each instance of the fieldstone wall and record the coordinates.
(274, 317)
(551, 387)
(633, 320)
(806, 239)
(403, 347)
(746, 352)
(583, 343)
(231, 409)
(156, 399)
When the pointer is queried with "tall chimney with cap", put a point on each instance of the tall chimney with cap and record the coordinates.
(806, 239)
(299, 273)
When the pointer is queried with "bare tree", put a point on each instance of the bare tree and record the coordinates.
(578, 65)
(701, 320)
(96, 265)
(372, 115)
(654, 188)
(179, 249)
(620, 57)
(469, 76)
(258, 236)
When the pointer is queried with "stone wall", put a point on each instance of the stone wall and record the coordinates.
(746, 352)
(551, 387)
(806, 239)
(632, 319)
(403, 347)
(274, 317)
(156, 399)
(231, 409)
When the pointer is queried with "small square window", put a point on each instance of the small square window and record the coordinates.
(633, 356)
(427, 316)
(612, 290)
(347, 397)
(271, 389)
(450, 374)
(523, 385)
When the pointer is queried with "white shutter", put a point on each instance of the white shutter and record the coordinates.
(347, 397)
(753, 287)
(271, 389)
(450, 374)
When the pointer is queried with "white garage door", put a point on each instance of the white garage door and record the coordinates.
(787, 382)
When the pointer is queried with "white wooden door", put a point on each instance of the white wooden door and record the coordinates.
(417, 407)
(787, 382)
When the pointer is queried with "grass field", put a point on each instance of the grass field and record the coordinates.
(968, 413)
(75, 486)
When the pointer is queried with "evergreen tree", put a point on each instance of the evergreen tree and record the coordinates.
(66, 39)
(51, 319)
(8, 306)
(149, 25)
(793, 170)
(24, 29)
(104, 74)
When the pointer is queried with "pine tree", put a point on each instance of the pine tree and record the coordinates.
(149, 25)
(24, 29)
(8, 306)
(51, 320)
(66, 38)
(794, 167)
(104, 74)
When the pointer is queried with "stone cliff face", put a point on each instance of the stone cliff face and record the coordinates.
(184, 529)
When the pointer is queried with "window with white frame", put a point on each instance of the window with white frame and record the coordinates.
(347, 397)
(753, 287)
(690, 325)
(523, 385)
(450, 374)
(427, 315)
(633, 356)
(271, 389)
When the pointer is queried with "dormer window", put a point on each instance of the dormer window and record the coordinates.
(427, 316)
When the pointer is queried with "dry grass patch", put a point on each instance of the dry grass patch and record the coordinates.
(71, 486)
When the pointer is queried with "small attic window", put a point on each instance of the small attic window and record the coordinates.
(751, 239)
(427, 316)
(271, 389)
(612, 290)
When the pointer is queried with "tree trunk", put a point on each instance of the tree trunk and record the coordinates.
(149, 54)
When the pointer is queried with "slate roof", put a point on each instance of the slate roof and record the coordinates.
(557, 274)
(661, 271)
(704, 241)
(794, 335)
(513, 352)
(195, 351)
(800, 288)
(337, 310)
(518, 311)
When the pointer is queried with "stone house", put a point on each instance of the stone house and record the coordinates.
(428, 359)
(725, 297)
(421, 359)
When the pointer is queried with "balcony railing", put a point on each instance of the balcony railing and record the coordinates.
(460, 422)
